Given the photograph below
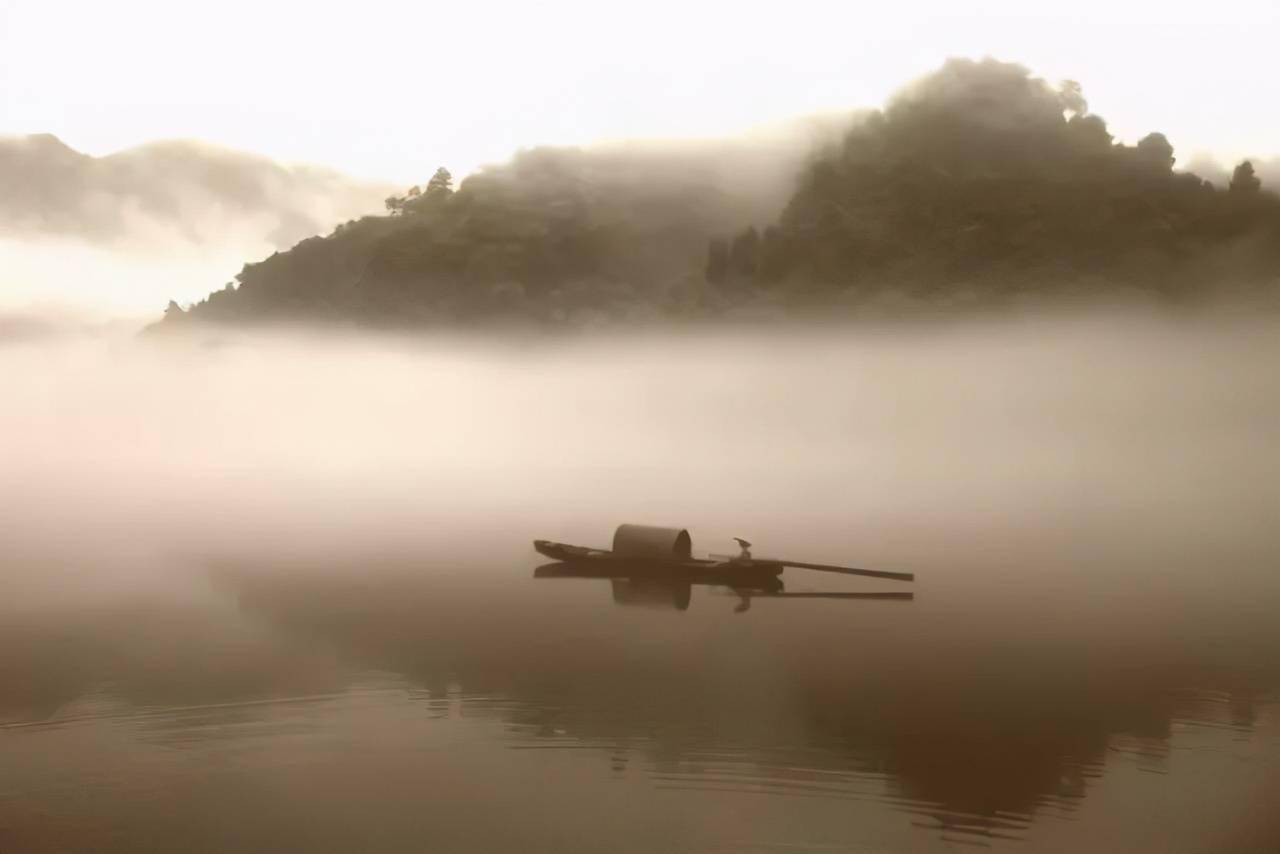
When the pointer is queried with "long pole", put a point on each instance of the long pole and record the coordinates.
(850, 570)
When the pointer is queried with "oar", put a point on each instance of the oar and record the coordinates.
(843, 570)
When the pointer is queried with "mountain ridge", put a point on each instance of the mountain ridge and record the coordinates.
(977, 184)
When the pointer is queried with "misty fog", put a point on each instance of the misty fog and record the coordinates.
(182, 191)
(1219, 174)
(948, 339)
(293, 560)
(124, 233)
(1153, 431)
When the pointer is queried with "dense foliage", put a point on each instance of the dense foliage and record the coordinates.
(984, 180)
(557, 235)
(977, 183)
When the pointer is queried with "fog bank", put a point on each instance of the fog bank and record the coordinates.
(127, 232)
(169, 191)
(119, 454)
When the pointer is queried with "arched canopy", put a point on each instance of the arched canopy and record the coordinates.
(645, 541)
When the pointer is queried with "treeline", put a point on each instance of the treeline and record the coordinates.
(555, 236)
(984, 181)
(976, 184)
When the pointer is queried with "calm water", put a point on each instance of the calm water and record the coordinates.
(280, 596)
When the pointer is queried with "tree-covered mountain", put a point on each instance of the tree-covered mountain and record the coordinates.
(983, 180)
(978, 183)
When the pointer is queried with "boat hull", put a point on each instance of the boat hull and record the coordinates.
(694, 569)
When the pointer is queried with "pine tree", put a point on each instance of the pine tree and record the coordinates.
(441, 182)
(1243, 180)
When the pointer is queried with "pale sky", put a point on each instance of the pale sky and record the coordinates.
(384, 89)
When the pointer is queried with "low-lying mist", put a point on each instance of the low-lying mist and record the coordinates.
(127, 232)
(125, 458)
(169, 191)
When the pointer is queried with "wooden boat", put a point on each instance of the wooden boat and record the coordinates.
(648, 550)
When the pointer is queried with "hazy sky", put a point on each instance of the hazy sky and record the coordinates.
(390, 90)
(386, 89)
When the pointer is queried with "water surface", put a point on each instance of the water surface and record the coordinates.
(279, 595)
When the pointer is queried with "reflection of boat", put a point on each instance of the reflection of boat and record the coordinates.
(658, 552)
(650, 590)
(640, 575)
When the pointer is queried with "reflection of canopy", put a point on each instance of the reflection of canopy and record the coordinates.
(636, 592)
(650, 542)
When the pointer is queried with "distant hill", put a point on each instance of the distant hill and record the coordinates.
(977, 184)
(168, 190)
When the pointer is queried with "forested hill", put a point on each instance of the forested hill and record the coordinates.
(977, 184)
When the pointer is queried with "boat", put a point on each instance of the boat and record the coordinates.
(646, 550)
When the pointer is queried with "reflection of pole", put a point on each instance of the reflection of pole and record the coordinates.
(745, 604)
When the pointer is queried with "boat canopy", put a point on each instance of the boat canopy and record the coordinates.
(646, 541)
